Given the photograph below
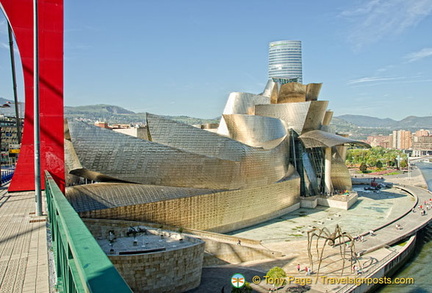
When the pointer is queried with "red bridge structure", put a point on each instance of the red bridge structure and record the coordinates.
(19, 14)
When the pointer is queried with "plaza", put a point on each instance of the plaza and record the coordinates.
(380, 212)
(371, 210)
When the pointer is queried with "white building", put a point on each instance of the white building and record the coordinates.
(285, 60)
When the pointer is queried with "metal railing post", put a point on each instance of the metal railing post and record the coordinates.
(38, 195)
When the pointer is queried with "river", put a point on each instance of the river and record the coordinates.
(419, 266)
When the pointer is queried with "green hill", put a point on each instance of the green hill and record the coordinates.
(115, 114)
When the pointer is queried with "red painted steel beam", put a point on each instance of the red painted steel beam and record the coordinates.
(51, 26)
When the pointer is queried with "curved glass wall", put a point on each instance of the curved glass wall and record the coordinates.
(285, 60)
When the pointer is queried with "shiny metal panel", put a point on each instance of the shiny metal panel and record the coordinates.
(318, 138)
(221, 211)
(269, 88)
(315, 115)
(301, 116)
(256, 131)
(292, 92)
(312, 91)
(91, 197)
(275, 94)
(192, 139)
(311, 180)
(240, 103)
(340, 176)
(296, 92)
(328, 116)
(293, 114)
(71, 159)
(126, 158)
(105, 154)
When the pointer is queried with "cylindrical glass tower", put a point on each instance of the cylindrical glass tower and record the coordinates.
(285, 60)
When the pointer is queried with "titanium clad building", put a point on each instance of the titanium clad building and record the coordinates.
(285, 60)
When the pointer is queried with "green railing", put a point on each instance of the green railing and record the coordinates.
(80, 263)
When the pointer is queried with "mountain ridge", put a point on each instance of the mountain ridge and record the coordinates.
(409, 122)
(358, 126)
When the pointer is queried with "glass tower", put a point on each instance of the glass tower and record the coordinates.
(285, 60)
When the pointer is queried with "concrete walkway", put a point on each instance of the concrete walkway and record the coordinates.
(410, 223)
(23, 245)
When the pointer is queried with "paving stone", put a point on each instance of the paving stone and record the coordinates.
(23, 248)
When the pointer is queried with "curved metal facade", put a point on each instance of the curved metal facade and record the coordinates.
(340, 176)
(322, 139)
(101, 196)
(240, 103)
(301, 116)
(293, 92)
(106, 155)
(221, 211)
(256, 131)
(190, 177)
(194, 140)
(269, 88)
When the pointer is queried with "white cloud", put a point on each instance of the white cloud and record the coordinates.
(374, 20)
(415, 56)
(373, 79)
(3, 27)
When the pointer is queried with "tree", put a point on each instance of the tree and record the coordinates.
(276, 273)
(403, 164)
(379, 164)
(371, 156)
(372, 160)
(363, 167)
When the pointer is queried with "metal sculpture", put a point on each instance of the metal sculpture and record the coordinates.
(331, 238)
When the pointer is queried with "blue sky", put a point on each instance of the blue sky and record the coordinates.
(184, 57)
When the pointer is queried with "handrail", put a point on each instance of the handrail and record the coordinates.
(369, 273)
(80, 263)
(6, 176)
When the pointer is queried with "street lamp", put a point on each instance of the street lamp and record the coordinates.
(37, 171)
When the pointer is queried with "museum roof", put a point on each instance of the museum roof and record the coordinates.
(319, 138)
(100, 196)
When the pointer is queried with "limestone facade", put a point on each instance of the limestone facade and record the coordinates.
(173, 270)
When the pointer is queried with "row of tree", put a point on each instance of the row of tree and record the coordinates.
(378, 157)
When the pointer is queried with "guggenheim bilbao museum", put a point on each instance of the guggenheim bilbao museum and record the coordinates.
(268, 151)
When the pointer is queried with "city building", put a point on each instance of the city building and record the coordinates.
(422, 145)
(9, 141)
(102, 124)
(401, 139)
(419, 142)
(379, 140)
(285, 61)
(135, 131)
(422, 132)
